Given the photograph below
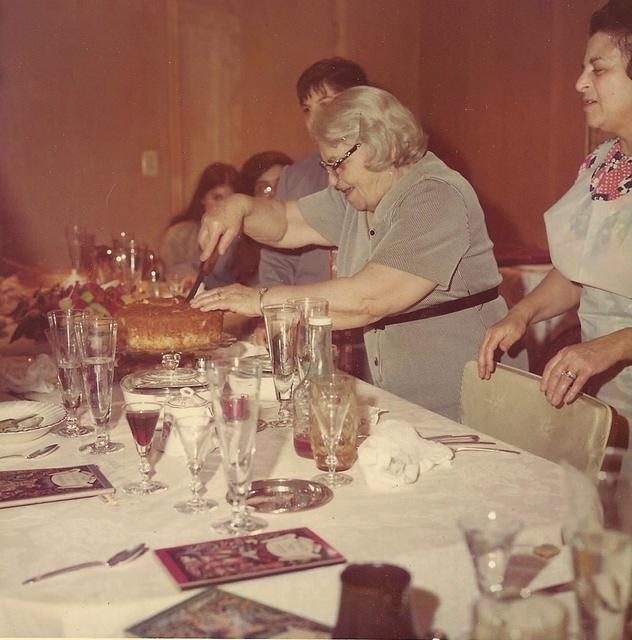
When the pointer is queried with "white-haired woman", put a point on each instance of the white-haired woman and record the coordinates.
(415, 263)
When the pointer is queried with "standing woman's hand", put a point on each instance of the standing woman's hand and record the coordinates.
(221, 226)
(566, 373)
(501, 335)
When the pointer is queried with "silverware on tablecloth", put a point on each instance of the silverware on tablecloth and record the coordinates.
(38, 453)
(477, 448)
(126, 555)
(452, 437)
(21, 424)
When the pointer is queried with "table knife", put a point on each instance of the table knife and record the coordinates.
(204, 269)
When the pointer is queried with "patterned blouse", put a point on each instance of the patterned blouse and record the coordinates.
(613, 177)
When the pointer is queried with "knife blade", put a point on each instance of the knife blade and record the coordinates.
(204, 269)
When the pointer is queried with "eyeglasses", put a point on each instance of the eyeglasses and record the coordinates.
(333, 167)
(264, 189)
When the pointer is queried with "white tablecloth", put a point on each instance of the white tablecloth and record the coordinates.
(413, 527)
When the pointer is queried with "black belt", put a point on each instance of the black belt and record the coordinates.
(441, 309)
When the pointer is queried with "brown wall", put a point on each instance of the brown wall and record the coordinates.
(87, 85)
(498, 98)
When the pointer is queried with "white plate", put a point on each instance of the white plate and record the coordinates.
(52, 413)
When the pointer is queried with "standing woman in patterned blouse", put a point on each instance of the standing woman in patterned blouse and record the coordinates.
(590, 237)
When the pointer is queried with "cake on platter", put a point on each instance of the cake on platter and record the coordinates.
(167, 324)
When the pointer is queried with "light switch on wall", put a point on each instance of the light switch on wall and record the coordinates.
(149, 164)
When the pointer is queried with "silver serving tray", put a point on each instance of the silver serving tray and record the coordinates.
(281, 495)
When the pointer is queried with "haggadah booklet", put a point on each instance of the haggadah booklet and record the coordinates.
(30, 486)
(242, 557)
(219, 614)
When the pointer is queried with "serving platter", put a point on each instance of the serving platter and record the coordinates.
(51, 414)
(281, 495)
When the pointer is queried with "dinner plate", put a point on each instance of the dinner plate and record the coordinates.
(280, 495)
(51, 413)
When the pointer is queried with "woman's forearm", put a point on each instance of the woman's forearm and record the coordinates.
(553, 296)
(265, 220)
(357, 301)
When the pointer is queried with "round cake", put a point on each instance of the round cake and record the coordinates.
(167, 324)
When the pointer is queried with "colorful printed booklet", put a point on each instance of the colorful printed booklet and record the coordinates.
(242, 557)
(218, 614)
(30, 486)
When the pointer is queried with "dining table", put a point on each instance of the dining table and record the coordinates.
(413, 526)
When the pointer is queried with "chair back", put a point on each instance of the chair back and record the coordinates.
(511, 407)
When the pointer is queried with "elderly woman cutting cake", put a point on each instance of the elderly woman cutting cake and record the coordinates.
(590, 237)
(415, 263)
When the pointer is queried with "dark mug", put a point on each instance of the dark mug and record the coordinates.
(374, 603)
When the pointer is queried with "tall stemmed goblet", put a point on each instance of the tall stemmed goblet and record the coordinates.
(599, 530)
(281, 322)
(308, 308)
(234, 384)
(142, 418)
(97, 346)
(81, 250)
(195, 431)
(62, 337)
(330, 400)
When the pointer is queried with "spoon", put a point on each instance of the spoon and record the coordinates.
(477, 448)
(126, 555)
(38, 453)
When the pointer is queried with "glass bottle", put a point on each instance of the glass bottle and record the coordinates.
(321, 363)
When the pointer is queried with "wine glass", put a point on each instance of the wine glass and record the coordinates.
(142, 418)
(97, 346)
(490, 535)
(308, 308)
(599, 529)
(281, 322)
(234, 384)
(62, 337)
(330, 400)
(196, 435)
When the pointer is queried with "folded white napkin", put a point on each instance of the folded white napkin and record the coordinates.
(394, 455)
(38, 376)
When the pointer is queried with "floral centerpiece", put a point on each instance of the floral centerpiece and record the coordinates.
(30, 312)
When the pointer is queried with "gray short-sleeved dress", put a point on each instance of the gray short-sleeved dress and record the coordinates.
(431, 225)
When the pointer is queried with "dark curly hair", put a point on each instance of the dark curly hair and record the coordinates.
(338, 73)
(259, 164)
(215, 175)
(615, 18)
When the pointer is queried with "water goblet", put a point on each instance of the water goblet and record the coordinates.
(489, 535)
(142, 418)
(599, 530)
(62, 337)
(330, 400)
(281, 322)
(97, 346)
(234, 384)
(308, 308)
(195, 431)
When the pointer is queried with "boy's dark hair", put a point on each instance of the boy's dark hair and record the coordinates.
(337, 73)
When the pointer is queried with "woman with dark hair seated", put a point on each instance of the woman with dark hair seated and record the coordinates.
(259, 177)
(179, 249)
